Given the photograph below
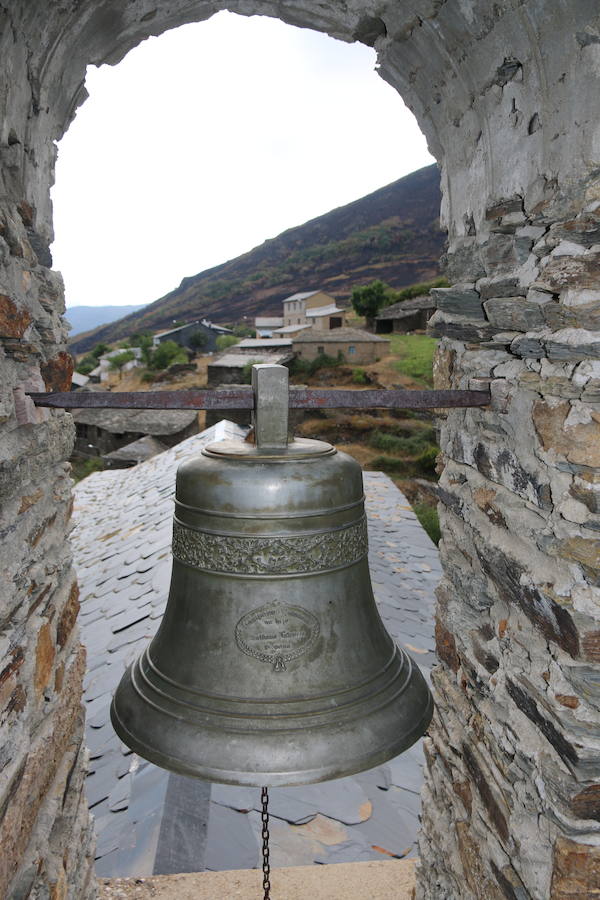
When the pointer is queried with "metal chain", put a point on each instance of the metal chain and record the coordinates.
(266, 865)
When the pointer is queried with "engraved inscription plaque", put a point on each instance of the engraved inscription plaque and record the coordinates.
(277, 633)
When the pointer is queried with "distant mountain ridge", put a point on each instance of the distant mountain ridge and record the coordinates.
(83, 318)
(392, 234)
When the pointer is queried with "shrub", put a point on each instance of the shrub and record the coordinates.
(428, 517)
(389, 464)
(359, 376)
(87, 364)
(147, 376)
(99, 350)
(226, 340)
(427, 459)
(423, 287)
(247, 371)
(407, 446)
(166, 354)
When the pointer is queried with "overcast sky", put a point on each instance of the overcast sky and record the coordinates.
(212, 138)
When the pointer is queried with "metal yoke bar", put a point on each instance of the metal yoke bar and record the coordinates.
(236, 399)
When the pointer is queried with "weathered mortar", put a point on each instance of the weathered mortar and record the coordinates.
(507, 97)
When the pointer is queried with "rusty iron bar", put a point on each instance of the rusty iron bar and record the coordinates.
(243, 399)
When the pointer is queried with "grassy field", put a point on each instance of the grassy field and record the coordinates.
(414, 356)
(403, 444)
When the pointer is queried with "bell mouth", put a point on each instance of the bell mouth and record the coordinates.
(298, 448)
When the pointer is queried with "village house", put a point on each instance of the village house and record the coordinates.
(183, 335)
(405, 316)
(229, 367)
(312, 308)
(100, 431)
(265, 325)
(355, 346)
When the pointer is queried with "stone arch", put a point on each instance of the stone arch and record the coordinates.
(506, 95)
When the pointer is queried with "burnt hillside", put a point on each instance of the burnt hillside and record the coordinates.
(392, 234)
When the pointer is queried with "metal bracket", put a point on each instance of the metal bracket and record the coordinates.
(236, 399)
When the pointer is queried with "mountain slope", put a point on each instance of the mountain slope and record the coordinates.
(83, 318)
(392, 234)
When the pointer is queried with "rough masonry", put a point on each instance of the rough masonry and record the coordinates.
(506, 93)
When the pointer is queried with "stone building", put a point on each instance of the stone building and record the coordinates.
(230, 367)
(184, 334)
(265, 325)
(100, 431)
(314, 308)
(356, 346)
(405, 316)
(507, 96)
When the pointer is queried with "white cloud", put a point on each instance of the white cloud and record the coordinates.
(206, 141)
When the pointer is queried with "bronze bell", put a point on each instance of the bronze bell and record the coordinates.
(271, 665)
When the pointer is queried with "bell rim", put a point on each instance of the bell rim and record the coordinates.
(276, 779)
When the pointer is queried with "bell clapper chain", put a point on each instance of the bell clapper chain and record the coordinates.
(266, 865)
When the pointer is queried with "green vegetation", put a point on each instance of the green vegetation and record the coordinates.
(247, 371)
(117, 361)
(359, 376)
(369, 299)
(416, 290)
(415, 445)
(428, 517)
(309, 367)
(166, 354)
(415, 356)
(87, 364)
(81, 468)
(243, 331)
(198, 340)
(226, 340)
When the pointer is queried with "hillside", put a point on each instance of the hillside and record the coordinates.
(392, 234)
(83, 318)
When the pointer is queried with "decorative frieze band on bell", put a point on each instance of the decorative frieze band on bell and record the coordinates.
(320, 551)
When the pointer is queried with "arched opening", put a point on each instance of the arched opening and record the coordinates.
(197, 153)
(509, 111)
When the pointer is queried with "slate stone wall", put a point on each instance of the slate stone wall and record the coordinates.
(506, 94)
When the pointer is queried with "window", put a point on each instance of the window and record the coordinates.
(320, 350)
(351, 349)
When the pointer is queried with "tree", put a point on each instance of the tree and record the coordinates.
(198, 340)
(369, 299)
(226, 340)
(98, 350)
(119, 359)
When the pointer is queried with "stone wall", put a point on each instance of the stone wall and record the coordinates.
(506, 94)
(45, 831)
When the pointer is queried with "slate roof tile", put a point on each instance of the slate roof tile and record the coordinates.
(121, 547)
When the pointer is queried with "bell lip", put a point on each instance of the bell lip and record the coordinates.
(277, 779)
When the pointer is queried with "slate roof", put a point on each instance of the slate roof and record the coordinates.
(268, 321)
(329, 310)
(146, 421)
(139, 451)
(302, 295)
(235, 360)
(262, 344)
(343, 335)
(407, 307)
(151, 821)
